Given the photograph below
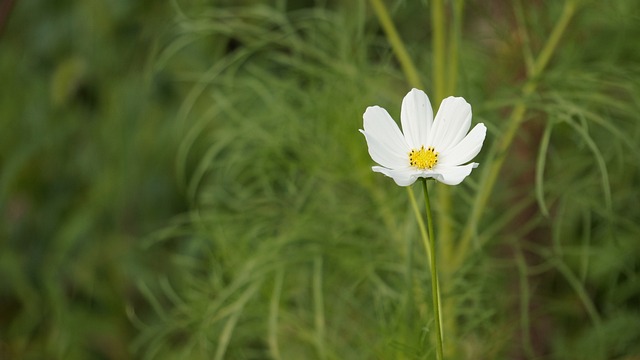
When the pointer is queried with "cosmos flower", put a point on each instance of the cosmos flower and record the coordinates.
(426, 147)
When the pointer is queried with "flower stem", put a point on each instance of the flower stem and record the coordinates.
(431, 252)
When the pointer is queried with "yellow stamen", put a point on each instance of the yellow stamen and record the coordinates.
(423, 158)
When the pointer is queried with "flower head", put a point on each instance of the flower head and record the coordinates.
(426, 147)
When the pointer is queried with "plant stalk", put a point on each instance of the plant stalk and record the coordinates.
(396, 43)
(430, 247)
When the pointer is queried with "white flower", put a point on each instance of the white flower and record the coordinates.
(428, 148)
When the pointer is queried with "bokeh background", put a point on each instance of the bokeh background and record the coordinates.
(185, 179)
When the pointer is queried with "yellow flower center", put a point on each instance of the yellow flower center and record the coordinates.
(423, 158)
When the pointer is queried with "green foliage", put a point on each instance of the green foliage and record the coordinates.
(86, 148)
(198, 188)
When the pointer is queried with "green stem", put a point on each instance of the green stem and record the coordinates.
(455, 34)
(318, 307)
(524, 35)
(439, 52)
(421, 226)
(431, 252)
(274, 308)
(396, 43)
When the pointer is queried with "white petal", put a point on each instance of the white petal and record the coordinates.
(466, 149)
(416, 117)
(386, 144)
(403, 177)
(451, 124)
(453, 175)
(383, 154)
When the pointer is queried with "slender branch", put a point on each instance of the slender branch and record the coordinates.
(439, 52)
(524, 37)
(318, 304)
(454, 45)
(396, 43)
(421, 226)
(274, 307)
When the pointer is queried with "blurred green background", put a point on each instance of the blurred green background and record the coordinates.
(186, 180)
